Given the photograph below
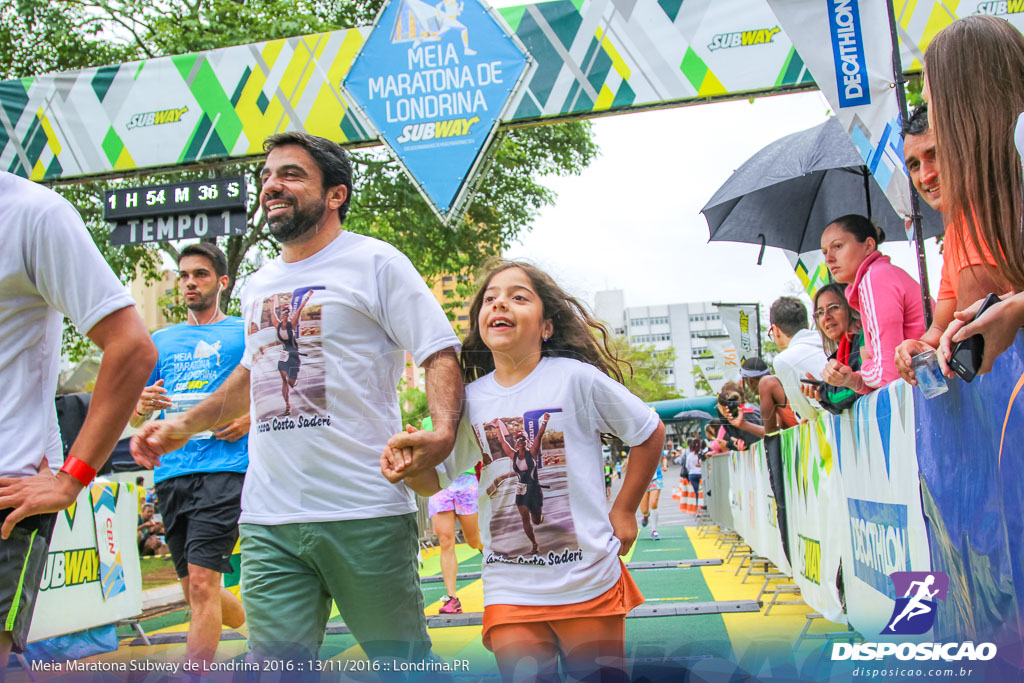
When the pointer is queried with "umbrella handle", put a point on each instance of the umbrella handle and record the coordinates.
(760, 256)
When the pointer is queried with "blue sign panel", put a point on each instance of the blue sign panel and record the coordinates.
(879, 534)
(433, 78)
(848, 53)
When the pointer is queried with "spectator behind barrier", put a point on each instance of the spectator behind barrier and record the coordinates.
(888, 299)
(842, 339)
(975, 92)
(967, 273)
(801, 354)
(775, 411)
(732, 406)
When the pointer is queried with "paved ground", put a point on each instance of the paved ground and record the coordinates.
(710, 646)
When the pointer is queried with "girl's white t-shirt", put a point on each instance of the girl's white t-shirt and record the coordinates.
(578, 554)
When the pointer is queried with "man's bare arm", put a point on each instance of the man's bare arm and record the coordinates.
(422, 450)
(128, 360)
(228, 402)
(445, 391)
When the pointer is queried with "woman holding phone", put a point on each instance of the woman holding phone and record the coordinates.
(842, 338)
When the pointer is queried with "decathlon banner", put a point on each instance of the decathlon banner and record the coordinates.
(875, 448)
(969, 444)
(87, 582)
(754, 509)
(847, 45)
(815, 514)
(740, 322)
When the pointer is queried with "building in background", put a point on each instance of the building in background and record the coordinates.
(444, 289)
(685, 327)
(147, 297)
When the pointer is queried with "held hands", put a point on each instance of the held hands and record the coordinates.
(153, 399)
(393, 461)
(413, 452)
(905, 353)
(623, 528)
(156, 438)
(998, 326)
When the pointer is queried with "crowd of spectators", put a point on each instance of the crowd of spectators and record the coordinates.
(963, 150)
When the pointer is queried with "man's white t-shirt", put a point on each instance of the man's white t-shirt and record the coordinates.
(804, 354)
(49, 268)
(325, 345)
(577, 556)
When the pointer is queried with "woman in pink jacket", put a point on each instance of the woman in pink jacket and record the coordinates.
(887, 298)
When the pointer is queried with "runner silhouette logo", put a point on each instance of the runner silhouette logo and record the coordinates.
(914, 613)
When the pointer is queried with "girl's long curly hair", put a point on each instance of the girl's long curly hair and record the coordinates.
(576, 334)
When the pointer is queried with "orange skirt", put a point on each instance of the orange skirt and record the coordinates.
(616, 601)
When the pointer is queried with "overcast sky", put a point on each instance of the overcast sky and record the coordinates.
(632, 219)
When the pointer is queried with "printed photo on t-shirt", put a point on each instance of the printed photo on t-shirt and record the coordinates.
(525, 477)
(287, 373)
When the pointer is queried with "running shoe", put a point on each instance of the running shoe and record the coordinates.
(451, 606)
(655, 536)
(643, 522)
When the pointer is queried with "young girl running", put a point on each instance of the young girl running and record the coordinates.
(541, 394)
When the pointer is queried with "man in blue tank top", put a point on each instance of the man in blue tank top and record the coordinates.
(199, 486)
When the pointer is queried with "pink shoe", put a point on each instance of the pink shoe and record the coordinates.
(451, 606)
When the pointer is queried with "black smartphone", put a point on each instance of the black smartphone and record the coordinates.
(966, 356)
(813, 382)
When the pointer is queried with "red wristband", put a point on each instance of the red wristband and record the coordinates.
(78, 469)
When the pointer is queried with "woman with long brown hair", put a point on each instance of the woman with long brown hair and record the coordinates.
(974, 81)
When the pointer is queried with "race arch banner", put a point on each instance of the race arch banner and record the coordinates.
(590, 57)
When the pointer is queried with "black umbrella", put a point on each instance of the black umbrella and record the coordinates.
(787, 193)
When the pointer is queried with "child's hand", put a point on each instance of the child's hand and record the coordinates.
(394, 460)
(391, 465)
(623, 528)
(420, 450)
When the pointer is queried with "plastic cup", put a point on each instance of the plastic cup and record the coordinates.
(929, 377)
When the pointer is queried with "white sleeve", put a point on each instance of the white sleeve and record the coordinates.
(409, 313)
(464, 456)
(68, 270)
(790, 378)
(248, 315)
(617, 411)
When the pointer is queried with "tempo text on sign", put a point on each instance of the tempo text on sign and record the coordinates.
(212, 207)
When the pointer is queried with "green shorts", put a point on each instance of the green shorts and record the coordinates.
(369, 567)
(22, 560)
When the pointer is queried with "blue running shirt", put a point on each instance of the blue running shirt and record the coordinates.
(194, 360)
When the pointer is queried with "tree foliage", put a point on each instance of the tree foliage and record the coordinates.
(647, 379)
(56, 35)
